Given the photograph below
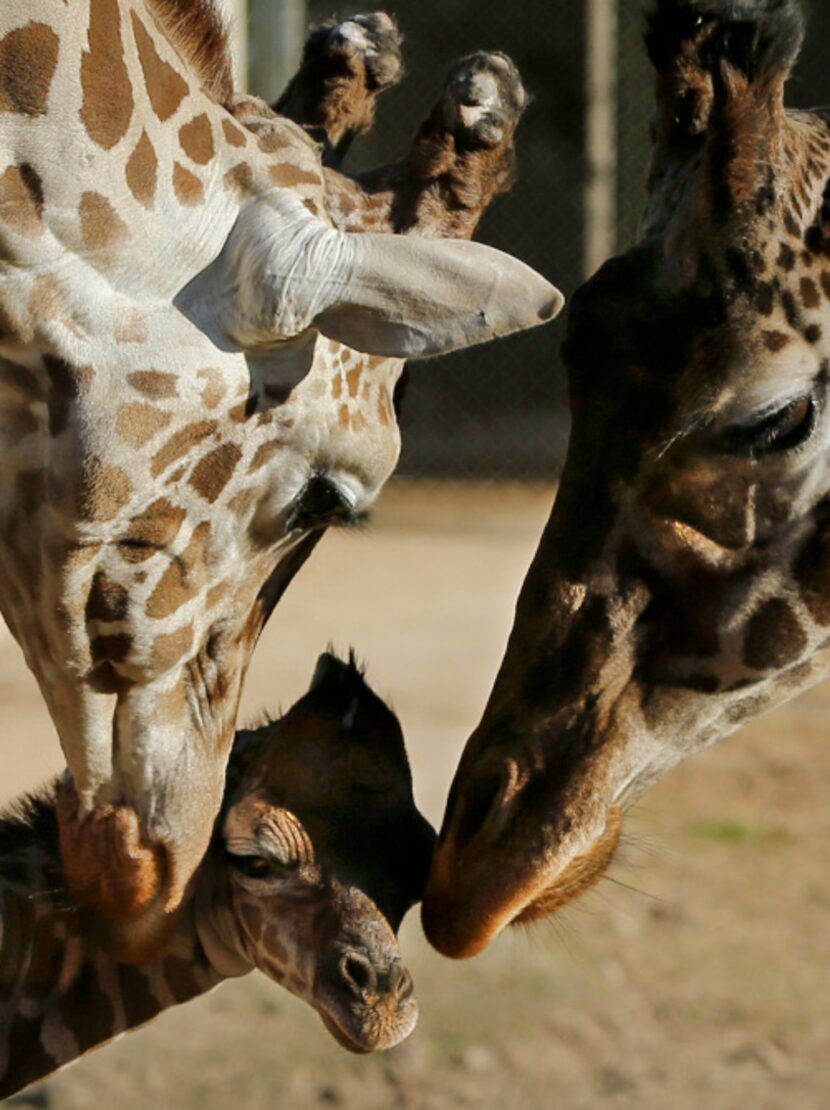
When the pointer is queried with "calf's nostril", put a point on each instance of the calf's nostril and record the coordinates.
(357, 972)
(400, 982)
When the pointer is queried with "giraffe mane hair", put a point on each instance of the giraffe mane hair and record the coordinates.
(200, 32)
(31, 821)
(759, 38)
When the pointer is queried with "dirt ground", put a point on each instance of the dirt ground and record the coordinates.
(706, 985)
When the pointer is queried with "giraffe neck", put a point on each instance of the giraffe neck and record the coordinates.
(61, 993)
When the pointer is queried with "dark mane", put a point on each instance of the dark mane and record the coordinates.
(200, 33)
(30, 821)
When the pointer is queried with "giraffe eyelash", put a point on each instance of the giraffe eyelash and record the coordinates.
(782, 430)
(262, 867)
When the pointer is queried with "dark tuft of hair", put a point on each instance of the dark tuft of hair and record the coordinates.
(31, 821)
(337, 682)
(760, 38)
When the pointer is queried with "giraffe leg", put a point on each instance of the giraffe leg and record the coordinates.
(462, 157)
(345, 67)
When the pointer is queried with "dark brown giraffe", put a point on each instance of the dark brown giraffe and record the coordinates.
(682, 585)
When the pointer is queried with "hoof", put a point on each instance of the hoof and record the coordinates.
(367, 43)
(483, 99)
(108, 863)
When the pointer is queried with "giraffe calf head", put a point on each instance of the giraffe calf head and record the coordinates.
(319, 852)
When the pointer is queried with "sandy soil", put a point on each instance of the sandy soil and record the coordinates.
(707, 985)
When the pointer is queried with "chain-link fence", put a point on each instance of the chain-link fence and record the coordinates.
(500, 412)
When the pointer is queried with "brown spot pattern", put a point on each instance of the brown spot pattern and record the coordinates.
(108, 94)
(289, 177)
(263, 454)
(165, 86)
(101, 226)
(809, 293)
(180, 443)
(773, 636)
(105, 490)
(187, 186)
(21, 200)
(812, 574)
(28, 58)
(212, 473)
(107, 600)
(47, 301)
(233, 134)
(137, 423)
(214, 389)
(105, 650)
(241, 177)
(216, 594)
(154, 383)
(775, 340)
(196, 140)
(151, 531)
(142, 171)
(183, 578)
(169, 648)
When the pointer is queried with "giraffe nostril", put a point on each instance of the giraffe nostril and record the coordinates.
(478, 803)
(400, 982)
(357, 973)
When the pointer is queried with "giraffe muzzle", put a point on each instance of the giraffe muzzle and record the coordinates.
(365, 999)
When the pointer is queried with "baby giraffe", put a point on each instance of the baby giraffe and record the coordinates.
(317, 854)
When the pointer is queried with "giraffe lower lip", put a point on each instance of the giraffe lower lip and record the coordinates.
(366, 1030)
(342, 1037)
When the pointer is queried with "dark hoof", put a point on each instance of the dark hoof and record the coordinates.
(483, 99)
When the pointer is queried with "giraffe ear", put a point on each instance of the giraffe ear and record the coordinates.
(283, 271)
(407, 297)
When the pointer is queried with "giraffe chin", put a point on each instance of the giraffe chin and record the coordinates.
(366, 1029)
(460, 926)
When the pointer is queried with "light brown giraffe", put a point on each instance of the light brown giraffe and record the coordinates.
(318, 853)
(179, 418)
(682, 585)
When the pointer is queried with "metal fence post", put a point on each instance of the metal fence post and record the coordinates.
(601, 133)
(277, 31)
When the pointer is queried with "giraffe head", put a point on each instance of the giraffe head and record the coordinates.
(179, 415)
(318, 854)
(682, 584)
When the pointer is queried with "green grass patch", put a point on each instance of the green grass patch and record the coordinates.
(727, 831)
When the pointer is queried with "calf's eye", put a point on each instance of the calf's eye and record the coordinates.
(262, 867)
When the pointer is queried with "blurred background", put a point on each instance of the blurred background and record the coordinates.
(583, 155)
(696, 975)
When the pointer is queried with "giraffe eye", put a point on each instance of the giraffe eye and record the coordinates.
(783, 430)
(262, 867)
